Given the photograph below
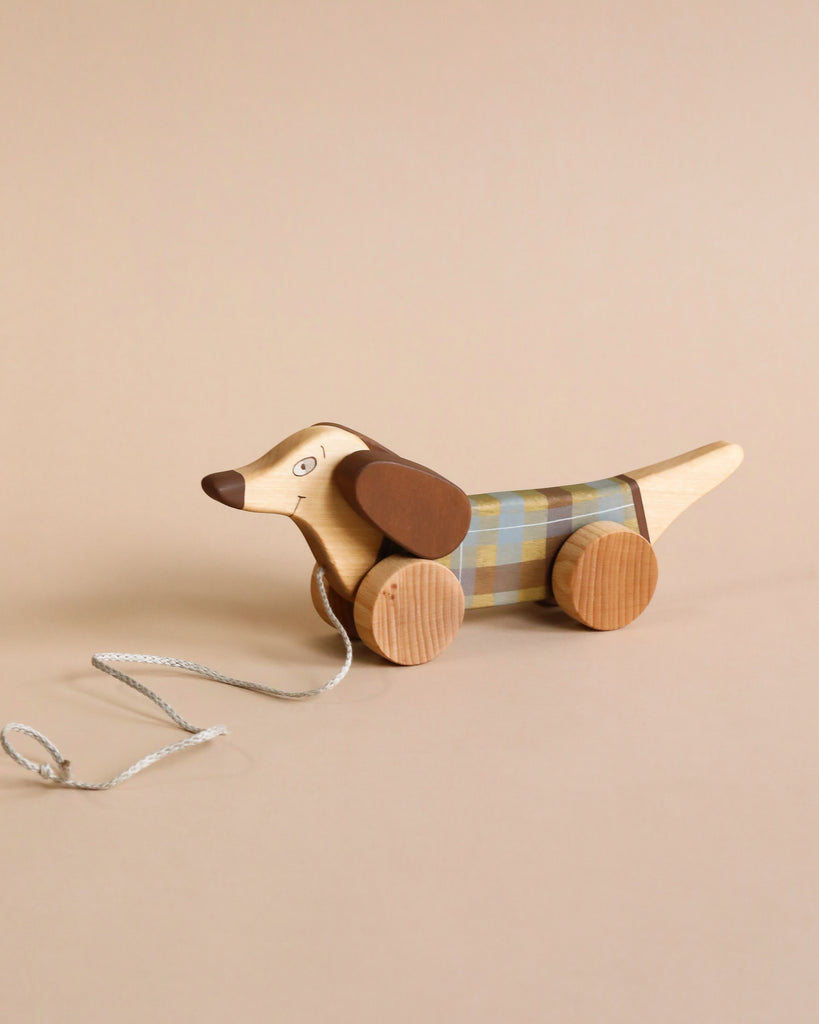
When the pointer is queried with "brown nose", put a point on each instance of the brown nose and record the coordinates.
(227, 487)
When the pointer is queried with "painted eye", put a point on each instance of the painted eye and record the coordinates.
(305, 466)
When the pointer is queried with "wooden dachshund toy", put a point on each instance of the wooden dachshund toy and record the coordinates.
(406, 552)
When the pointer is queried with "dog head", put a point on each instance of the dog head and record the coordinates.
(317, 476)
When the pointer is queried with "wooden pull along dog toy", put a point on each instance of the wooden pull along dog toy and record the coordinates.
(406, 551)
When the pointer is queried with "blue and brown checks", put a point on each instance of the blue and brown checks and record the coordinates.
(513, 538)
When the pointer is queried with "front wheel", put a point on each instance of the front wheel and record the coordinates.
(408, 610)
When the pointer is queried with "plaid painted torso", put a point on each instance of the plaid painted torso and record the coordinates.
(514, 536)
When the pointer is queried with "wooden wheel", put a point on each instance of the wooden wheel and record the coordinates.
(604, 575)
(408, 610)
(342, 608)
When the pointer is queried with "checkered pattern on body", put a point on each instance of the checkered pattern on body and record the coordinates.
(507, 555)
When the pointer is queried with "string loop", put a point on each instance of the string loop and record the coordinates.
(60, 773)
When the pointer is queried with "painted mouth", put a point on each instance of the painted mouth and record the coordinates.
(301, 499)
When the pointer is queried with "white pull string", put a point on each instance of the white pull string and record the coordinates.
(61, 772)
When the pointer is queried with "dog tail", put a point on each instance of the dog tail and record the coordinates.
(668, 488)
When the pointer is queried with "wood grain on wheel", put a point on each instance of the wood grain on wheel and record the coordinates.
(604, 575)
(408, 610)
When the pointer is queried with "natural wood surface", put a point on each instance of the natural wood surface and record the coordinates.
(604, 575)
(346, 493)
(296, 479)
(669, 487)
(408, 609)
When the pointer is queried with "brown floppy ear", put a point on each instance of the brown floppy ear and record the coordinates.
(420, 510)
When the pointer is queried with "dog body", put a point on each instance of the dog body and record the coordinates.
(357, 502)
(507, 554)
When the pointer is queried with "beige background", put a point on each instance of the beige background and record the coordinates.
(525, 243)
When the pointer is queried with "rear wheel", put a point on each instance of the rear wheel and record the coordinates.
(604, 575)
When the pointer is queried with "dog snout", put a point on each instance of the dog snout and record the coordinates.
(227, 487)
